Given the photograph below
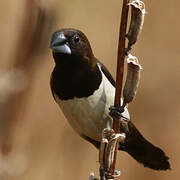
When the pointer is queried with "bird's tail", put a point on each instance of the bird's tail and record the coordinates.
(143, 151)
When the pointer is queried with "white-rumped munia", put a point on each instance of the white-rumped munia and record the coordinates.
(84, 90)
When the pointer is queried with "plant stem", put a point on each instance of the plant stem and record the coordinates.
(120, 69)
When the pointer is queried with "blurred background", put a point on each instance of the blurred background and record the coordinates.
(37, 143)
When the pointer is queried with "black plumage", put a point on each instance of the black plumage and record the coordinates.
(84, 90)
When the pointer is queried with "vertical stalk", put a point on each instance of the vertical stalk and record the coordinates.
(120, 69)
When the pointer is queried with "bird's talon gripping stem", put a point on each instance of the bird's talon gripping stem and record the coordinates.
(116, 113)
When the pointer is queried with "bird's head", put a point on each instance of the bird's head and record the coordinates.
(71, 45)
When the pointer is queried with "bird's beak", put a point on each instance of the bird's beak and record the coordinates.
(59, 44)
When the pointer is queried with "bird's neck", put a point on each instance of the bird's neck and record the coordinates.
(71, 80)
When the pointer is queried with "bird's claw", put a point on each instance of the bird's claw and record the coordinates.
(116, 113)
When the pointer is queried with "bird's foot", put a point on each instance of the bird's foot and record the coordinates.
(116, 114)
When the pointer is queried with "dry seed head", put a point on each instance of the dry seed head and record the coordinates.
(108, 144)
(137, 20)
(102, 150)
(132, 79)
(106, 136)
(110, 149)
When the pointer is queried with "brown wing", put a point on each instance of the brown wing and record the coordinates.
(106, 73)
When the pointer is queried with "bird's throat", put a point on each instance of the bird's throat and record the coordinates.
(70, 80)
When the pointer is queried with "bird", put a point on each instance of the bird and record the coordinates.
(84, 89)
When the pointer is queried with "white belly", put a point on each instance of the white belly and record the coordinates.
(89, 116)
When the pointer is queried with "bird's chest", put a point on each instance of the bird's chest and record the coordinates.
(71, 82)
(89, 115)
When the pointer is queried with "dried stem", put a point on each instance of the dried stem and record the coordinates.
(120, 69)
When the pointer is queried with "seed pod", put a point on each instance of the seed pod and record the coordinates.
(106, 134)
(137, 20)
(102, 150)
(109, 153)
(132, 79)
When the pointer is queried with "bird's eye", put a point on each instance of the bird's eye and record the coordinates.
(76, 38)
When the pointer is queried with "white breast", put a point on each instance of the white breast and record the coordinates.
(89, 116)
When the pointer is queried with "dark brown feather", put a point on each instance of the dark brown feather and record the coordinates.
(72, 78)
(107, 73)
(78, 75)
(140, 149)
(136, 145)
(143, 151)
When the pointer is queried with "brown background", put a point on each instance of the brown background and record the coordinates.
(45, 146)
